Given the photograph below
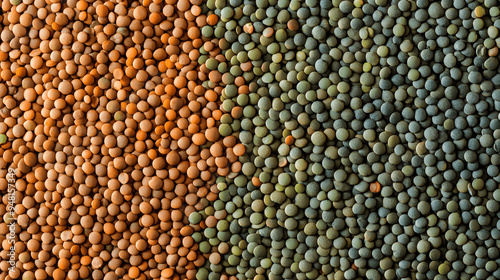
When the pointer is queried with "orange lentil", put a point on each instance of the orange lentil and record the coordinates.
(212, 19)
(375, 187)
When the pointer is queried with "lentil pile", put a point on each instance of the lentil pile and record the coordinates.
(371, 135)
(250, 139)
(110, 117)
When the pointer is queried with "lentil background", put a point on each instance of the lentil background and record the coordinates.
(239, 139)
